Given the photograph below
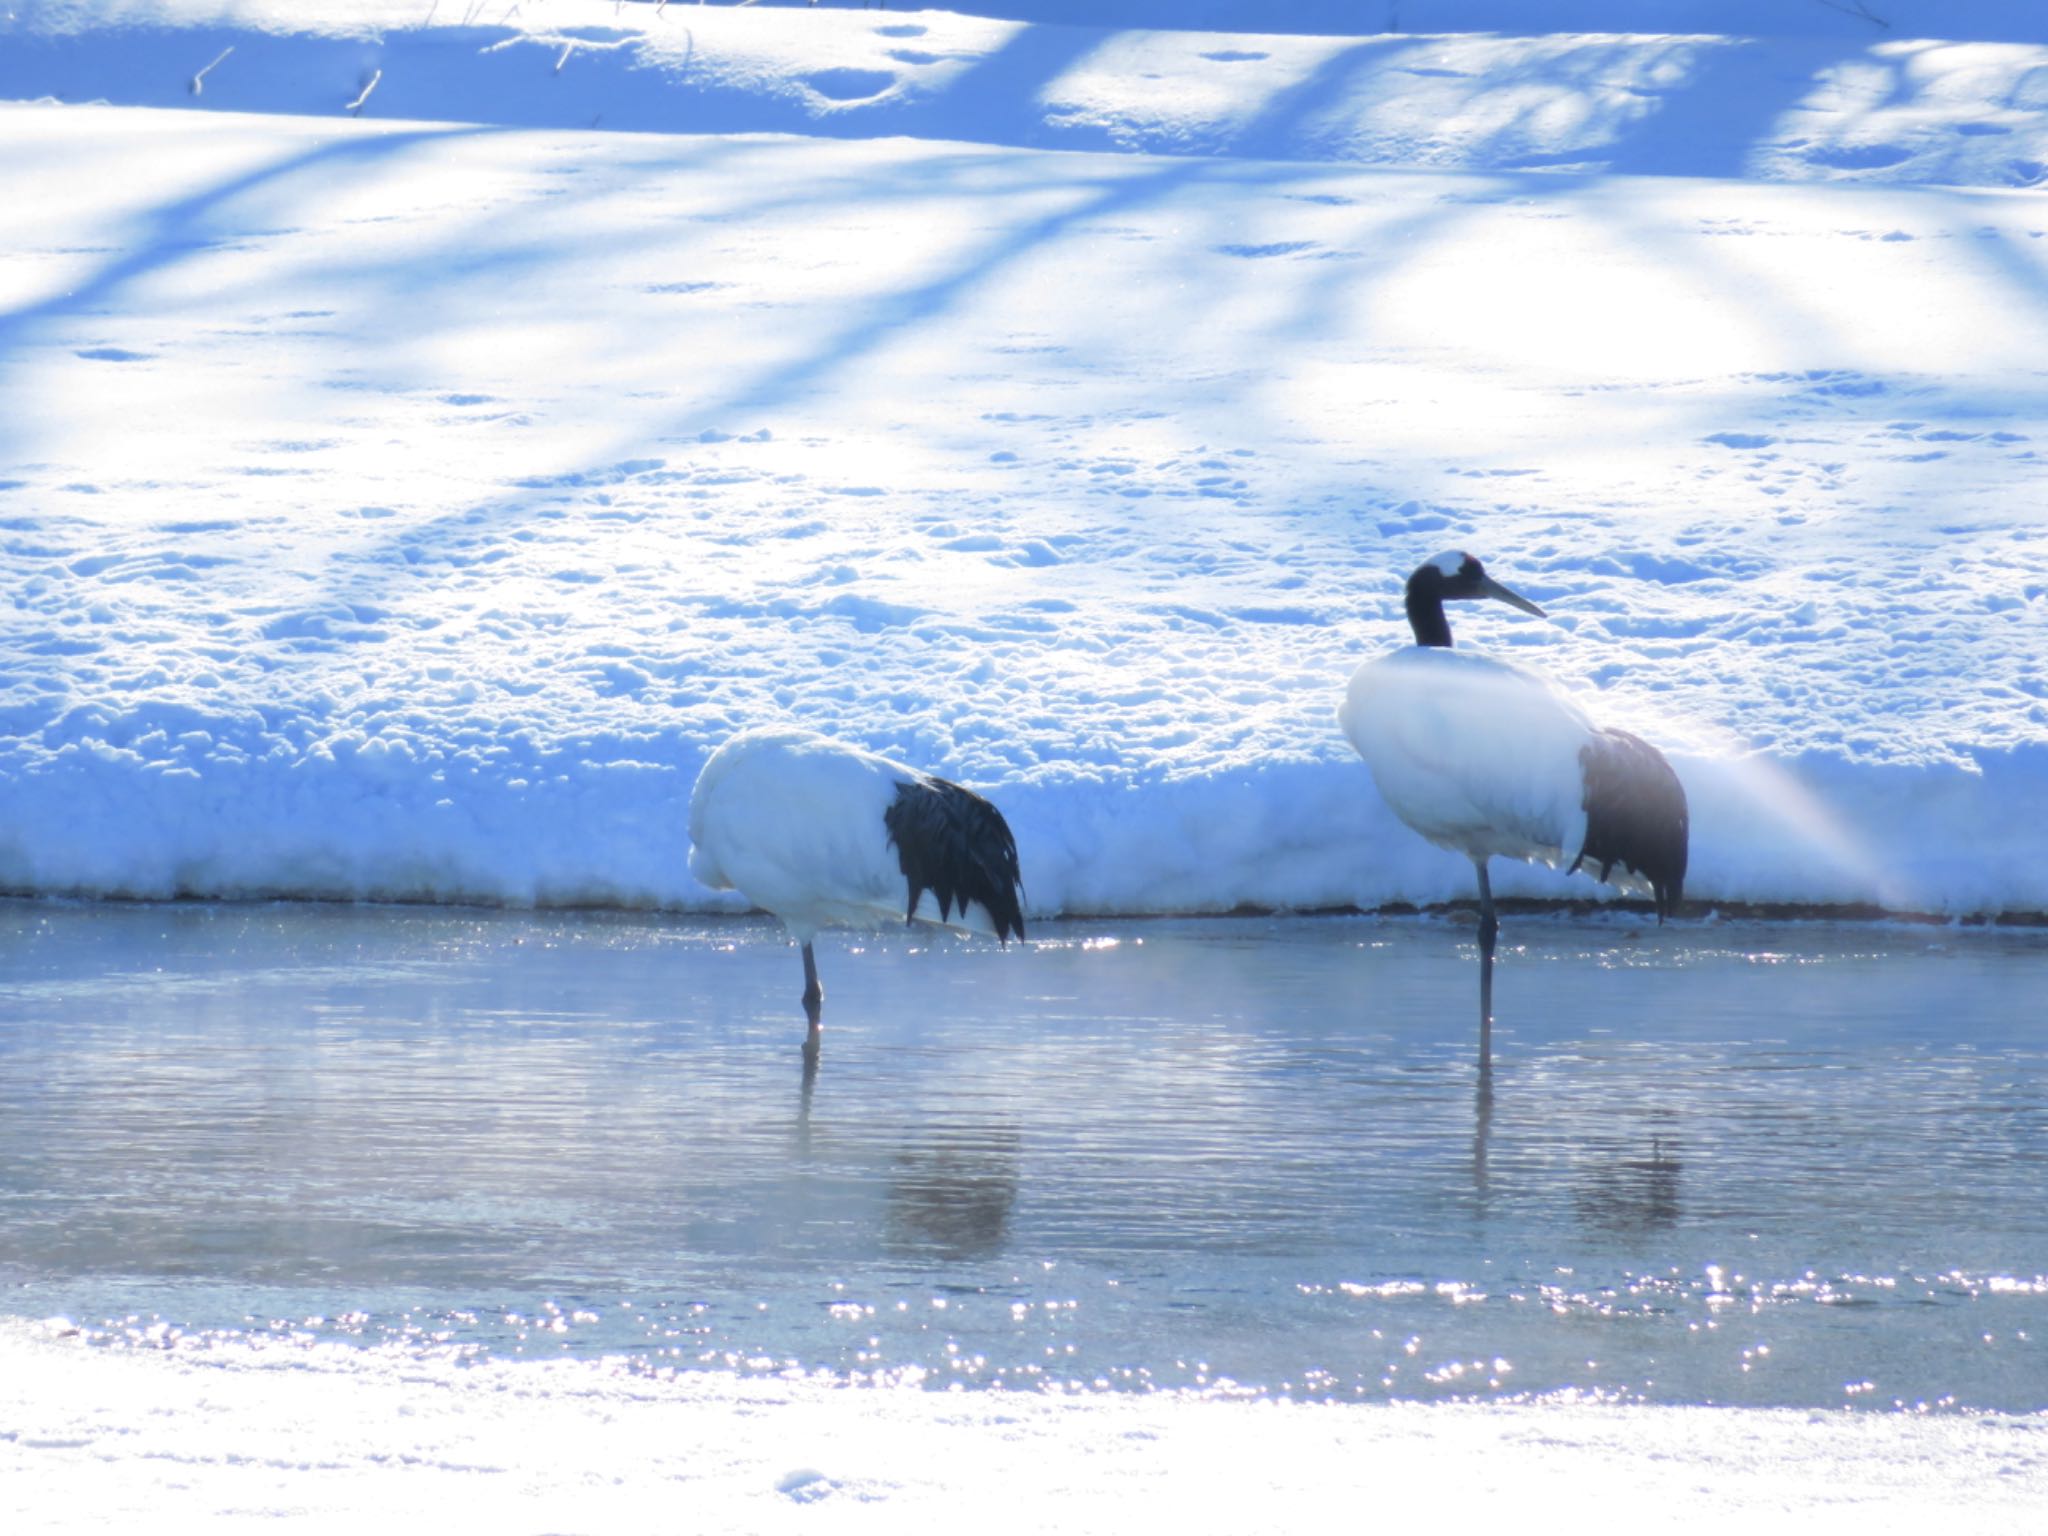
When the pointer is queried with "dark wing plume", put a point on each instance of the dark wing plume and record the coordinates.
(953, 843)
(1635, 814)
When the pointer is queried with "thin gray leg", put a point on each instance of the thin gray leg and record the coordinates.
(1482, 1133)
(814, 1009)
(1489, 931)
(814, 995)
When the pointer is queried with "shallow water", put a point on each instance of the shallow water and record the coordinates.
(1719, 1163)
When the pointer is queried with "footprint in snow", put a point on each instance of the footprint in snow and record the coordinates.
(805, 1486)
(1858, 157)
(849, 85)
(1266, 252)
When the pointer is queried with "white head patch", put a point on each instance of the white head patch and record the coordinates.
(1451, 561)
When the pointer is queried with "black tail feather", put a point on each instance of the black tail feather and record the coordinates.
(953, 843)
(1636, 815)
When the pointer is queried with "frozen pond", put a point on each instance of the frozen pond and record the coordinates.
(1721, 1163)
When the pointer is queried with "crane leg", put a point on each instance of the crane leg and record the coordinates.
(814, 1005)
(814, 994)
(814, 1008)
(1489, 931)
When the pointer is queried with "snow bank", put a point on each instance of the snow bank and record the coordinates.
(1949, 93)
(345, 1439)
(404, 510)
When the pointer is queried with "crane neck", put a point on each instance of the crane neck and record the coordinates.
(1426, 615)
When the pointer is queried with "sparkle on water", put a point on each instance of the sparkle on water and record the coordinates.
(1792, 1165)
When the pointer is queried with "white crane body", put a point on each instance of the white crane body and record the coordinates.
(827, 835)
(1478, 755)
(1486, 758)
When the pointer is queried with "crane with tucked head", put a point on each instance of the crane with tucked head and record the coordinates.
(822, 834)
(1487, 759)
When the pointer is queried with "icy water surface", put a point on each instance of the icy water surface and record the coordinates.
(1720, 1163)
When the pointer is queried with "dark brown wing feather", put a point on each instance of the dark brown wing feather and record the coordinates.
(1636, 815)
(953, 843)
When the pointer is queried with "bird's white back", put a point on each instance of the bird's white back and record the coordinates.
(1475, 753)
(794, 822)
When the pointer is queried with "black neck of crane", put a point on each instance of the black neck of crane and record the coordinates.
(1426, 608)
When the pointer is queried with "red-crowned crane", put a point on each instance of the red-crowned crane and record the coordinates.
(1485, 758)
(826, 835)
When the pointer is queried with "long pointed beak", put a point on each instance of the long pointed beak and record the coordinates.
(1491, 588)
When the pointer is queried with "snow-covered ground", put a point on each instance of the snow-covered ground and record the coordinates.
(414, 465)
(345, 1439)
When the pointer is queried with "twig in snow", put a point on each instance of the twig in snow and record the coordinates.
(199, 79)
(1859, 10)
(356, 106)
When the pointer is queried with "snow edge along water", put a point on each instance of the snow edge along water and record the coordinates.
(574, 830)
(119, 1431)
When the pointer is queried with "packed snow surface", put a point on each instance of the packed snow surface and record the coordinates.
(433, 428)
(331, 1437)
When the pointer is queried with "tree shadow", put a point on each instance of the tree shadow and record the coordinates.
(418, 286)
(177, 231)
